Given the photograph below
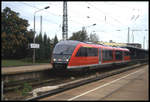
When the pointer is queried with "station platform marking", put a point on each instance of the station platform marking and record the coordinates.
(107, 84)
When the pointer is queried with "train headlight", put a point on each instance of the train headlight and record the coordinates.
(67, 60)
(54, 59)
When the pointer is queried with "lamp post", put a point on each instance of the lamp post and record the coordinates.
(90, 25)
(34, 31)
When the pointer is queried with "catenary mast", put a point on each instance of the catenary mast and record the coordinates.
(65, 21)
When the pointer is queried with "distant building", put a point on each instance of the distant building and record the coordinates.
(114, 44)
(111, 43)
(137, 45)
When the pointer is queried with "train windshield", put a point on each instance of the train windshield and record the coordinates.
(63, 49)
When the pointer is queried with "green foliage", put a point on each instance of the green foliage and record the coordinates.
(93, 38)
(44, 51)
(80, 35)
(26, 88)
(17, 90)
(6, 63)
(15, 37)
(55, 41)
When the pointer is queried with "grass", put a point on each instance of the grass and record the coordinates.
(21, 62)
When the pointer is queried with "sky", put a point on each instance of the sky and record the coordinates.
(112, 18)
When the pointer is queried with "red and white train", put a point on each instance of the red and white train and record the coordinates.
(72, 55)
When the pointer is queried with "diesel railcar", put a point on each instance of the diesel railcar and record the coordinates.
(72, 55)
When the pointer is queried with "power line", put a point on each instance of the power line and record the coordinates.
(100, 15)
(47, 11)
(50, 12)
(29, 5)
(48, 21)
(38, 8)
(126, 7)
(106, 14)
(133, 9)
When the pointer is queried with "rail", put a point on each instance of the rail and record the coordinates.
(78, 83)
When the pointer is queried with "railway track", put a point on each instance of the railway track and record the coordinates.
(81, 81)
(54, 78)
(63, 81)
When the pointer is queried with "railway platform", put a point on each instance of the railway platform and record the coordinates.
(25, 69)
(20, 73)
(129, 85)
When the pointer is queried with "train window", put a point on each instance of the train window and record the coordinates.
(107, 55)
(126, 53)
(63, 49)
(118, 55)
(82, 52)
(92, 52)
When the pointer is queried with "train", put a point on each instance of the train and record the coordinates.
(76, 55)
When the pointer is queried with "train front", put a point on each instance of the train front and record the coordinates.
(62, 54)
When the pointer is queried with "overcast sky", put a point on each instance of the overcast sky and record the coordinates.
(112, 19)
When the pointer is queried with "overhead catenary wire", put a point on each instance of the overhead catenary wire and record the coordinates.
(133, 17)
(72, 20)
(105, 16)
(52, 14)
(39, 8)
(50, 21)
(105, 13)
(136, 17)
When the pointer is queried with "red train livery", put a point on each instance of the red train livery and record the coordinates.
(73, 55)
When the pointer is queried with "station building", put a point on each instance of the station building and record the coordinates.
(114, 44)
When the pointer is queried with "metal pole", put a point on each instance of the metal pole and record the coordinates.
(34, 41)
(41, 25)
(34, 32)
(65, 22)
(144, 43)
(128, 34)
(2, 86)
(132, 37)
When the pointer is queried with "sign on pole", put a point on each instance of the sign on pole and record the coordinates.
(33, 45)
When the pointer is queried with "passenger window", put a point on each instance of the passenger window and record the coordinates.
(126, 53)
(118, 55)
(107, 55)
(82, 52)
(92, 52)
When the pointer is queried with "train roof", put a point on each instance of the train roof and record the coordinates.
(106, 46)
(69, 42)
(74, 42)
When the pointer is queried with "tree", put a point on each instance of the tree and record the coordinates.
(47, 49)
(55, 41)
(14, 31)
(80, 35)
(39, 51)
(93, 38)
(44, 52)
(29, 36)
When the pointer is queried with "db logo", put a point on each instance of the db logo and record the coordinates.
(59, 59)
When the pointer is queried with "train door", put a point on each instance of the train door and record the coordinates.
(99, 55)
